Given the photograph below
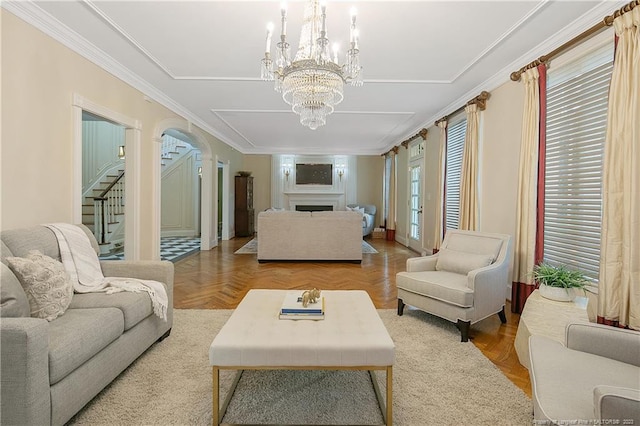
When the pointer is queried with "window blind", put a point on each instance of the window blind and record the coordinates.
(577, 98)
(455, 145)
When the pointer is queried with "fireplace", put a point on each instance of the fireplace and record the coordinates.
(313, 208)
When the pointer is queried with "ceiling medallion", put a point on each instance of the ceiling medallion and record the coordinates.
(313, 82)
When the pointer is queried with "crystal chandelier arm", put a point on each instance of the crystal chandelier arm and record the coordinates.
(323, 9)
(283, 12)
(267, 49)
(353, 26)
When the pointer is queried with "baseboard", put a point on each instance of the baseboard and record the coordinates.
(402, 240)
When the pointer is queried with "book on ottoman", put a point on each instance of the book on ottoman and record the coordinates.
(292, 307)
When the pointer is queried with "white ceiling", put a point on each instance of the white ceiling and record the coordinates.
(421, 59)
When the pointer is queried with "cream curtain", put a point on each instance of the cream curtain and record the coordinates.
(525, 238)
(469, 175)
(619, 291)
(437, 238)
(391, 223)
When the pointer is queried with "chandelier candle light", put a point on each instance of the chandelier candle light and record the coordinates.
(313, 82)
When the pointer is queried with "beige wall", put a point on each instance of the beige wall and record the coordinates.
(370, 179)
(39, 78)
(260, 168)
(500, 152)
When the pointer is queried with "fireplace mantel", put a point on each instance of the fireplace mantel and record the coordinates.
(313, 193)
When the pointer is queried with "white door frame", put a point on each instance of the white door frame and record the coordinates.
(132, 143)
(416, 159)
(226, 177)
(416, 244)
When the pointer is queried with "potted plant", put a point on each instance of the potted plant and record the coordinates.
(558, 282)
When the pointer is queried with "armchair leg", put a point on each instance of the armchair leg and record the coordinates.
(400, 307)
(463, 326)
(503, 317)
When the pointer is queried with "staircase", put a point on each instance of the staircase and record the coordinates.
(103, 211)
(103, 204)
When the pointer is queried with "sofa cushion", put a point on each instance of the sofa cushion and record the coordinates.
(134, 306)
(21, 241)
(559, 398)
(461, 262)
(78, 335)
(45, 282)
(441, 285)
(13, 300)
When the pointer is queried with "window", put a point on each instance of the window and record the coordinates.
(453, 169)
(576, 126)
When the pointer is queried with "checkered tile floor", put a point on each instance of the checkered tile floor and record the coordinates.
(171, 248)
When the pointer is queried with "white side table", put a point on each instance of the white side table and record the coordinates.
(545, 317)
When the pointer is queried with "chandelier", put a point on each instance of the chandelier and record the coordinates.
(313, 82)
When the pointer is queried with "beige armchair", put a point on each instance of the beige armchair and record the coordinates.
(465, 282)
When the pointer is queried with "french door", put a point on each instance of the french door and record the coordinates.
(415, 205)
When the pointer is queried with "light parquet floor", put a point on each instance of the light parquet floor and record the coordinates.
(218, 279)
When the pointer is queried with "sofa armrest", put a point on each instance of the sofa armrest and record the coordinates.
(606, 341)
(612, 402)
(24, 379)
(160, 270)
(418, 264)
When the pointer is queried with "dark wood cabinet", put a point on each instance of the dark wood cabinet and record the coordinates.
(244, 213)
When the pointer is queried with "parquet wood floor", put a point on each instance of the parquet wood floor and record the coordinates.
(218, 279)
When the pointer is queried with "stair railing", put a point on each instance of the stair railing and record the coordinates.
(169, 146)
(108, 204)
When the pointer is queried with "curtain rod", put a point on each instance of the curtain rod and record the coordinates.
(422, 133)
(606, 22)
(480, 101)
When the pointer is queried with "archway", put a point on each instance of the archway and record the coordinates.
(208, 228)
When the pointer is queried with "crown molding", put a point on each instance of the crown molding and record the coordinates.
(586, 21)
(40, 19)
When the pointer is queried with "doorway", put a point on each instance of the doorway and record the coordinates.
(103, 182)
(131, 184)
(180, 196)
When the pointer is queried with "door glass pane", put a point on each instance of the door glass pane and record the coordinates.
(416, 203)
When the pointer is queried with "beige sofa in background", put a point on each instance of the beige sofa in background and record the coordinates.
(292, 235)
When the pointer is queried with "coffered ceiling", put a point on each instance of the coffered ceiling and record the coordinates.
(421, 59)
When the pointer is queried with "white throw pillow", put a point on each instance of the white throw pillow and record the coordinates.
(461, 262)
(356, 209)
(46, 283)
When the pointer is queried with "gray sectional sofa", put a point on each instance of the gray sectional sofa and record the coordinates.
(50, 370)
(593, 379)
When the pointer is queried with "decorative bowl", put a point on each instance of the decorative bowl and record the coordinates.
(243, 173)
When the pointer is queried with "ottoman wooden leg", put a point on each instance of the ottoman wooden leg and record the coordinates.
(390, 395)
(215, 409)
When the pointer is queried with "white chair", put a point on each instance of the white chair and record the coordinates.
(465, 282)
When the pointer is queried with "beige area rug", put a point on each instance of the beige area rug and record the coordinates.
(437, 381)
(252, 247)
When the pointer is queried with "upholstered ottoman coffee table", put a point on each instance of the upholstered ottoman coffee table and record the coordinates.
(350, 337)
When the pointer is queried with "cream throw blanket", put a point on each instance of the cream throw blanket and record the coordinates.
(83, 266)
